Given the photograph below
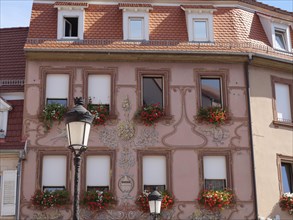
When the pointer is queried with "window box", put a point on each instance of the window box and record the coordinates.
(50, 199)
(212, 115)
(286, 202)
(53, 112)
(143, 202)
(149, 114)
(216, 200)
(98, 200)
(100, 113)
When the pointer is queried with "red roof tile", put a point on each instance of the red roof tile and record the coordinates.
(13, 139)
(12, 59)
(71, 4)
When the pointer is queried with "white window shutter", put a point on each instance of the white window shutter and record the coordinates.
(8, 201)
(154, 170)
(54, 171)
(99, 88)
(283, 102)
(98, 170)
(57, 86)
(214, 167)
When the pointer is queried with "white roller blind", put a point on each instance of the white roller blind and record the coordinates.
(54, 171)
(99, 88)
(154, 170)
(57, 86)
(8, 200)
(98, 171)
(214, 167)
(283, 102)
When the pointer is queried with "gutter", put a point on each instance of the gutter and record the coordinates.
(247, 64)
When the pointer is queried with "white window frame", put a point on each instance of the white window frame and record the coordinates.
(286, 36)
(130, 30)
(193, 14)
(4, 109)
(73, 12)
(135, 12)
(48, 90)
(95, 97)
(194, 30)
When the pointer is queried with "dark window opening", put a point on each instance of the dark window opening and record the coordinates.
(57, 101)
(287, 177)
(211, 95)
(98, 188)
(215, 184)
(153, 91)
(71, 27)
(150, 188)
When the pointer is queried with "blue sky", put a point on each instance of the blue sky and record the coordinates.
(16, 13)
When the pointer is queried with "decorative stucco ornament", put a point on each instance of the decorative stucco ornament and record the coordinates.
(126, 130)
(109, 137)
(126, 105)
(218, 133)
(126, 160)
(147, 137)
(203, 214)
(52, 215)
(126, 184)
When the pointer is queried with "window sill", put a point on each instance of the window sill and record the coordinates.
(281, 123)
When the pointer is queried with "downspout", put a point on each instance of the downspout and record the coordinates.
(18, 188)
(247, 64)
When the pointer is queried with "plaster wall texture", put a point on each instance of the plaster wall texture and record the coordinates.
(269, 140)
(181, 137)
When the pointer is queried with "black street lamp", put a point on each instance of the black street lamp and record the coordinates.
(78, 124)
(155, 201)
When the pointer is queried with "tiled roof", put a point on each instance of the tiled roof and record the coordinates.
(13, 139)
(12, 59)
(235, 30)
(84, 4)
(134, 5)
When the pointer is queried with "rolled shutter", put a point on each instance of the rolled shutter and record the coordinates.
(8, 200)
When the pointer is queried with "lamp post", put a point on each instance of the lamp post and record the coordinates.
(155, 201)
(78, 124)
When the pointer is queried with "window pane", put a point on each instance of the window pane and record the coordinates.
(287, 177)
(99, 89)
(98, 188)
(154, 170)
(211, 92)
(57, 101)
(136, 28)
(283, 102)
(215, 184)
(54, 171)
(153, 91)
(150, 188)
(280, 40)
(200, 30)
(71, 27)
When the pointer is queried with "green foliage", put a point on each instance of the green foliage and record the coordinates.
(53, 112)
(150, 114)
(98, 200)
(48, 199)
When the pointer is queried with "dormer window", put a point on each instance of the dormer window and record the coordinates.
(136, 28)
(71, 27)
(135, 21)
(70, 20)
(4, 108)
(280, 39)
(200, 30)
(199, 22)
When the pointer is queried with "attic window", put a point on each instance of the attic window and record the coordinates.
(200, 30)
(4, 108)
(71, 27)
(136, 28)
(280, 39)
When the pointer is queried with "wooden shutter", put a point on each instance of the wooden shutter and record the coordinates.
(8, 200)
